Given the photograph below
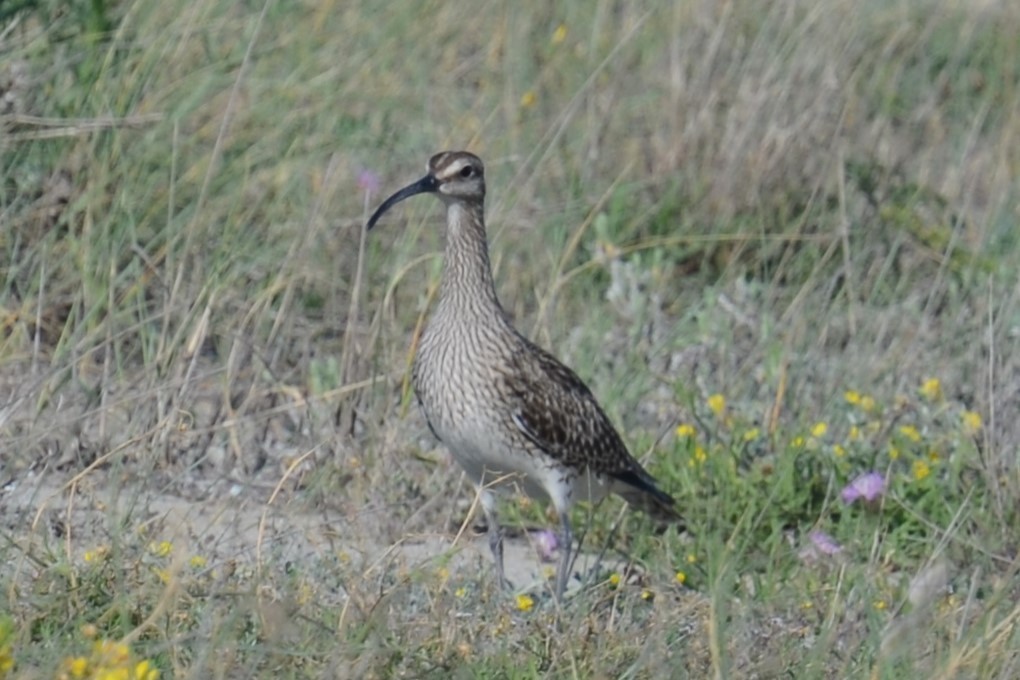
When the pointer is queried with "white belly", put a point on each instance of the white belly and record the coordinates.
(491, 464)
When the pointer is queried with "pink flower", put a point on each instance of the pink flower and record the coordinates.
(824, 543)
(820, 546)
(869, 486)
(546, 542)
(368, 182)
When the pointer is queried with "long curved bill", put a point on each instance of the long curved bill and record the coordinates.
(425, 185)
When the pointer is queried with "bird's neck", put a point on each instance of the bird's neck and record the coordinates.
(467, 288)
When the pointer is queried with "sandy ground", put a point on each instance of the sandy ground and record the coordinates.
(253, 527)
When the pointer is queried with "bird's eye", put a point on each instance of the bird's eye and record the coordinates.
(467, 171)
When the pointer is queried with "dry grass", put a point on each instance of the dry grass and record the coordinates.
(777, 203)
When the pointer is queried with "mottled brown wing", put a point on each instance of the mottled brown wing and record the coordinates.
(557, 412)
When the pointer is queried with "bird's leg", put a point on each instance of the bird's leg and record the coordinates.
(496, 545)
(566, 543)
(495, 533)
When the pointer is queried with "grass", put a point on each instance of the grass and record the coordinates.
(779, 242)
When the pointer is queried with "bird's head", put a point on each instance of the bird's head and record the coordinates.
(452, 176)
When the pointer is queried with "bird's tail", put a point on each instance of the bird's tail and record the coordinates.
(641, 492)
(660, 507)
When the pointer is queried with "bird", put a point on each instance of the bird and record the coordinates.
(510, 413)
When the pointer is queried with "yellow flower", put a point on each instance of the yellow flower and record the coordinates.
(910, 432)
(6, 661)
(971, 422)
(96, 555)
(525, 603)
(867, 404)
(797, 442)
(838, 451)
(460, 592)
(686, 430)
(717, 404)
(854, 434)
(921, 469)
(699, 454)
(528, 99)
(77, 667)
(614, 579)
(752, 435)
(691, 558)
(559, 35)
(853, 397)
(647, 594)
(681, 577)
(879, 605)
(145, 671)
(931, 389)
(161, 549)
(819, 429)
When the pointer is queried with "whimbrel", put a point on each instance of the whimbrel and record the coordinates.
(507, 410)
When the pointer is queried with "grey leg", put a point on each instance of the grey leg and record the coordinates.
(495, 533)
(566, 544)
(496, 545)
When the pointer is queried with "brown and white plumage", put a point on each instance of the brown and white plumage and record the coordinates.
(507, 410)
